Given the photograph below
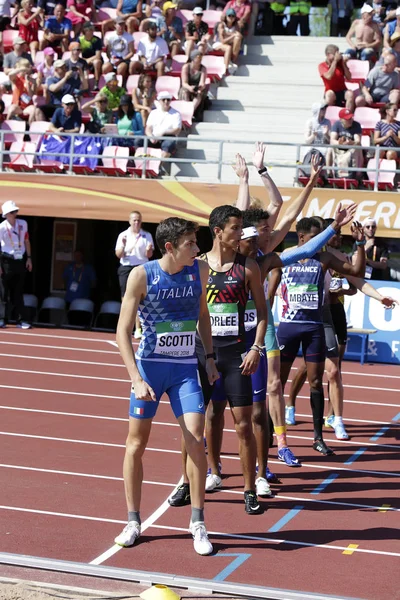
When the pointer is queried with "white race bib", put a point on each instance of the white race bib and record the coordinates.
(73, 287)
(368, 272)
(18, 255)
(335, 284)
(303, 296)
(250, 316)
(224, 319)
(176, 339)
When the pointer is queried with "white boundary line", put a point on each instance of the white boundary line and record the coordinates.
(56, 337)
(25, 345)
(63, 360)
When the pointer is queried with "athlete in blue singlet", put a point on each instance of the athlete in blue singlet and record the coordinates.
(170, 297)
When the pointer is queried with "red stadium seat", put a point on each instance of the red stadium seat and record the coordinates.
(21, 162)
(332, 113)
(51, 166)
(152, 166)
(212, 17)
(37, 129)
(137, 36)
(359, 70)
(385, 179)
(9, 36)
(304, 180)
(343, 183)
(131, 83)
(115, 161)
(169, 84)
(16, 131)
(215, 66)
(177, 63)
(367, 117)
(185, 109)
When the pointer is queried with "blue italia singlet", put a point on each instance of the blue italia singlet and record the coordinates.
(302, 288)
(169, 314)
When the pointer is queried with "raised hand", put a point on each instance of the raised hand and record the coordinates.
(357, 231)
(346, 214)
(258, 156)
(240, 167)
(388, 302)
(316, 168)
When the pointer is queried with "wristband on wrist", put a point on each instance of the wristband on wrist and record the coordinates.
(257, 348)
(211, 355)
(262, 171)
(362, 243)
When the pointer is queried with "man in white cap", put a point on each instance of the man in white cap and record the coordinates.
(164, 121)
(376, 253)
(67, 118)
(367, 34)
(196, 33)
(15, 259)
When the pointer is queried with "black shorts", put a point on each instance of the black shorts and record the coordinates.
(4, 23)
(123, 274)
(339, 322)
(310, 336)
(340, 98)
(238, 388)
(332, 350)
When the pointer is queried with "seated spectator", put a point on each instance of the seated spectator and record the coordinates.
(394, 50)
(80, 12)
(100, 114)
(196, 33)
(120, 50)
(164, 121)
(342, 11)
(67, 118)
(151, 51)
(386, 132)
(390, 29)
(57, 30)
(170, 28)
(48, 6)
(144, 95)
(79, 278)
(112, 91)
(24, 87)
(193, 78)
(228, 39)
(132, 12)
(345, 132)
(11, 58)
(382, 84)
(153, 10)
(78, 66)
(334, 73)
(318, 128)
(29, 22)
(129, 123)
(242, 10)
(368, 37)
(61, 84)
(91, 47)
(5, 21)
(45, 69)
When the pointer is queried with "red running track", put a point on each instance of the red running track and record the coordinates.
(64, 421)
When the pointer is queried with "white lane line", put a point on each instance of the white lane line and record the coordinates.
(363, 402)
(358, 387)
(63, 360)
(277, 497)
(282, 541)
(163, 450)
(71, 375)
(59, 514)
(25, 345)
(56, 337)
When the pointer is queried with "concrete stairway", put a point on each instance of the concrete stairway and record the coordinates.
(268, 99)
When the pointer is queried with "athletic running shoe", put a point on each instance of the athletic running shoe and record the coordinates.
(340, 432)
(2, 324)
(24, 325)
(129, 535)
(262, 487)
(329, 421)
(213, 482)
(251, 504)
(271, 477)
(181, 496)
(201, 543)
(290, 415)
(138, 334)
(286, 455)
(320, 446)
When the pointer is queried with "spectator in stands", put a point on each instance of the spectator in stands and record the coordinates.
(143, 97)
(129, 123)
(382, 84)
(368, 37)
(112, 91)
(120, 50)
(45, 70)
(196, 33)
(379, 13)
(29, 22)
(91, 47)
(62, 83)
(193, 78)
(67, 118)
(170, 28)
(57, 30)
(340, 16)
(345, 132)
(242, 10)
(79, 278)
(77, 65)
(153, 10)
(132, 12)
(376, 252)
(151, 51)
(228, 39)
(164, 121)
(11, 59)
(334, 73)
(80, 12)
(100, 114)
(48, 6)
(318, 128)
(387, 131)
(391, 28)
(24, 87)
(5, 20)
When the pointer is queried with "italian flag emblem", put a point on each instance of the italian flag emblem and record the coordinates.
(138, 411)
(190, 278)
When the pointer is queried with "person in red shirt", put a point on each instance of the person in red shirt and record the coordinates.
(334, 73)
(29, 22)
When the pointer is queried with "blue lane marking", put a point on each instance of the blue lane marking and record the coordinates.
(324, 484)
(285, 519)
(354, 456)
(396, 418)
(239, 560)
(379, 434)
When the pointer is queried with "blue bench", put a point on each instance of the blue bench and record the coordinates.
(364, 335)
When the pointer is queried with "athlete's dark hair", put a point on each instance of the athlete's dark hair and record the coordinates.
(171, 230)
(252, 216)
(221, 215)
(306, 224)
(328, 222)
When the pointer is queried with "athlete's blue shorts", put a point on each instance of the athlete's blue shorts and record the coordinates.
(179, 381)
(258, 383)
(310, 336)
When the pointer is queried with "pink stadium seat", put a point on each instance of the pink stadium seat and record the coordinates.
(212, 17)
(365, 141)
(185, 109)
(9, 36)
(105, 14)
(39, 58)
(186, 14)
(137, 36)
(385, 179)
(352, 85)
(359, 69)
(215, 66)
(177, 63)
(332, 113)
(152, 166)
(131, 83)
(50, 166)
(179, 13)
(66, 55)
(16, 131)
(367, 117)
(3, 78)
(37, 129)
(115, 161)
(169, 84)
(21, 162)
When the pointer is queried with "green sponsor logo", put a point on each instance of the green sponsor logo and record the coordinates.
(175, 327)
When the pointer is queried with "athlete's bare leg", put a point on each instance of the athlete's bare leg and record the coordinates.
(192, 425)
(214, 433)
(138, 437)
(261, 434)
(297, 383)
(247, 444)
